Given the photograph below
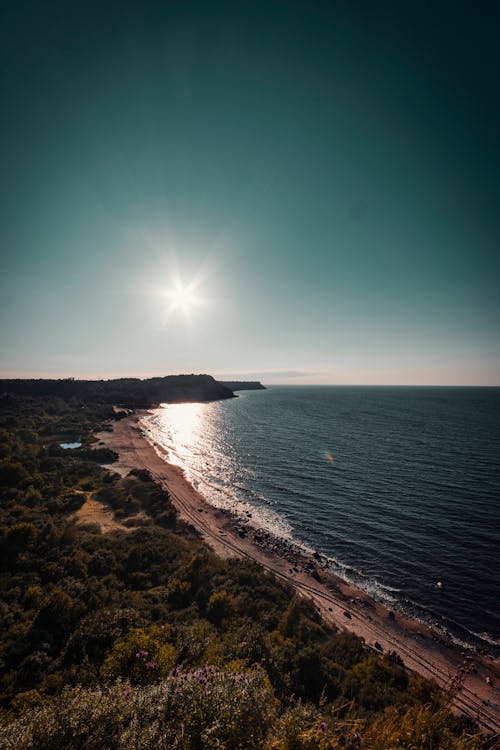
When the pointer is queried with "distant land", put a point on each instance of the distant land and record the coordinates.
(243, 385)
(128, 392)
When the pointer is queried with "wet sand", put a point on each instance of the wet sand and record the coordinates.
(473, 677)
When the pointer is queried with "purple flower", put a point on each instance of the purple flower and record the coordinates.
(151, 665)
(141, 654)
(323, 726)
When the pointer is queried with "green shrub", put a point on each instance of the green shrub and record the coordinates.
(220, 606)
(418, 728)
(304, 727)
(207, 709)
(142, 656)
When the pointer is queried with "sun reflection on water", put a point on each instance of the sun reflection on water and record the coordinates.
(199, 438)
(183, 422)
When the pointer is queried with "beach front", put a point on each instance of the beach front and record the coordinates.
(473, 679)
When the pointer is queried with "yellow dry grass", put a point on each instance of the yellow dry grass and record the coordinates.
(95, 513)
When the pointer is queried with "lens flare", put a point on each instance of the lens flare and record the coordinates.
(182, 298)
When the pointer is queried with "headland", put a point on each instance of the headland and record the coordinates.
(243, 385)
(126, 392)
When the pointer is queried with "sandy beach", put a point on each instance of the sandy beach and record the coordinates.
(473, 677)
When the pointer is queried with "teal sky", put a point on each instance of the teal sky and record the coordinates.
(327, 172)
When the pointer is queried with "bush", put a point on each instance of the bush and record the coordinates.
(142, 656)
(220, 606)
(207, 709)
(303, 727)
(418, 728)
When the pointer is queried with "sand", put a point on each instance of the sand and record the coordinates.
(473, 677)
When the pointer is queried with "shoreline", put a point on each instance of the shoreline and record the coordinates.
(475, 678)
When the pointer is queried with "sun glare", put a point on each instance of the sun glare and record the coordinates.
(182, 298)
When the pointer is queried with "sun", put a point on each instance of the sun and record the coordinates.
(182, 298)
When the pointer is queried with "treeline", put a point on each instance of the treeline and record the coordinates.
(144, 638)
(129, 392)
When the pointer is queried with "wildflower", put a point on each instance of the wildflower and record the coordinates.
(323, 726)
(151, 665)
(142, 654)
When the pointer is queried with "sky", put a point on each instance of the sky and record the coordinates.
(299, 192)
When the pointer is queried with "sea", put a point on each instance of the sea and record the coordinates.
(396, 488)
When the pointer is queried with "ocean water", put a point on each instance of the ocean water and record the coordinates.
(396, 488)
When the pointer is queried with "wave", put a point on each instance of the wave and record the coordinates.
(373, 507)
(220, 496)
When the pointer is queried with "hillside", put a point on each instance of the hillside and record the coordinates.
(142, 637)
(131, 392)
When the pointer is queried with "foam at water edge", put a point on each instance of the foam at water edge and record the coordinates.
(226, 493)
(263, 519)
(254, 515)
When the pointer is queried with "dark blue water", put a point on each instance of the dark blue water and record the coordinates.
(397, 488)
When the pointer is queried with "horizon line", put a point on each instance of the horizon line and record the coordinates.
(254, 379)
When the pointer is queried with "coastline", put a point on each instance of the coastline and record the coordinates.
(340, 604)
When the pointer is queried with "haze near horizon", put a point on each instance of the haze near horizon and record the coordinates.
(297, 192)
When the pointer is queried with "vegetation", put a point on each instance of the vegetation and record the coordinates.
(143, 638)
(132, 392)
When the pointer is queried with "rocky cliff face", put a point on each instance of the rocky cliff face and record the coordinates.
(131, 392)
